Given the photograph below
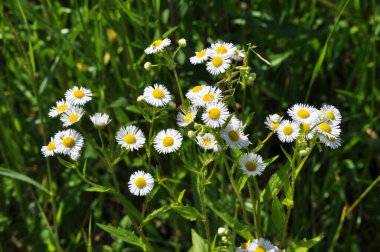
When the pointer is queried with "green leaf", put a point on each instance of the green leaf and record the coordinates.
(199, 245)
(180, 196)
(122, 234)
(101, 189)
(121, 102)
(156, 212)
(187, 212)
(241, 183)
(304, 245)
(276, 182)
(270, 160)
(66, 163)
(243, 230)
(287, 155)
(18, 176)
(278, 214)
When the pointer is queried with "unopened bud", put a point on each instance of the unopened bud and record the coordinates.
(182, 42)
(140, 99)
(172, 105)
(147, 65)
(191, 134)
(222, 231)
(217, 148)
(224, 239)
(197, 125)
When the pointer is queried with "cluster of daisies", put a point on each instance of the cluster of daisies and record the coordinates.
(218, 56)
(257, 245)
(308, 122)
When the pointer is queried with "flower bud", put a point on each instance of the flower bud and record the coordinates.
(224, 239)
(197, 125)
(182, 42)
(191, 134)
(217, 148)
(147, 66)
(172, 105)
(140, 99)
(222, 231)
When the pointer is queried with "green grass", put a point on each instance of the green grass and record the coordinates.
(47, 47)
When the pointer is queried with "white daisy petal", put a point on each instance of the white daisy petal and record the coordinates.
(262, 245)
(157, 96)
(140, 183)
(167, 141)
(157, 45)
(100, 120)
(130, 137)
(330, 141)
(238, 55)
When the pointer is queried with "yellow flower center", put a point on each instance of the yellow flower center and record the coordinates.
(140, 182)
(188, 117)
(245, 245)
(73, 118)
(158, 94)
(330, 115)
(217, 61)
(303, 113)
(130, 139)
(214, 113)
(233, 135)
(78, 94)
(260, 249)
(156, 43)
(196, 89)
(221, 50)
(251, 166)
(275, 126)
(325, 127)
(168, 141)
(306, 127)
(62, 108)
(208, 97)
(288, 130)
(68, 142)
(207, 142)
(200, 54)
(51, 146)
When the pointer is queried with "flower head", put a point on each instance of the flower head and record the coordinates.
(100, 120)
(69, 142)
(215, 114)
(199, 57)
(157, 96)
(252, 164)
(167, 141)
(218, 64)
(185, 117)
(71, 116)
(182, 42)
(208, 95)
(130, 137)
(262, 245)
(61, 107)
(140, 183)
(303, 113)
(234, 137)
(222, 49)
(288, 131)
(50, 148)
(273, 121)
(238, 55)
(331, 113)
(157, 46)
(196, 91)
(78, 95)
(207, 141)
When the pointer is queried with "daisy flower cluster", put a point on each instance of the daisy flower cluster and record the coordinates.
(218, 57)
(257, 245)
(308, 122)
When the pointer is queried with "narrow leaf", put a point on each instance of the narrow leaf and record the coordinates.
(187, 212)
(18, 176)
(278, 214)
(122, 234)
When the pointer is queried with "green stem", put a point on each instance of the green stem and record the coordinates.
(201, 195)
(149, 149)
(258, 212)
(254, 212)
(179, 86)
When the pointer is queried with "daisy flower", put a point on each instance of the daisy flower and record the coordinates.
(69, 142)
(73, 115)
(157, 45)
(60, 107)
(330, 141)
(185, 117)
(332, 113)
(252, 164)
(235, 122)
(167, 141)
(207, 141)
(140, 183)
(238, 55)
(262, 245)
(209, 95)
(273, 121)
(221, 49)
(78, 95)
(308, 129)
(303, 113)
(196, 91)
(218, 64)
(328, 129)
(199, 57)
(288, 131)
(157, 96)
(50, 148)
(215, 114)
(100, 120)
(130, 137)
(234, 137)
(244, 247)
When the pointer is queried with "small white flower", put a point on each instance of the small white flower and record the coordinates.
(157, 45)
(234, 137)
(252, 164)
(331, 113)
(218, 64)
(303, 113)
(196, 91)
(182, 42)
(308, 129)
(185, 117)
(207, 141)
(140, 183)
(199, 57)
(78, 95)
(235, 122)
(130, 137)
(71, 116)
(273, 121)
(215, 114)
(262, 245)
(60, 107)
(238, 55)
(100, 120)
(288, 131)
(221, 49)
(208, 95)
(50, 148)
(157, 96)
(69, 142)
(328, 129)
(167, 141)
(330, 141)
(244, 247)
